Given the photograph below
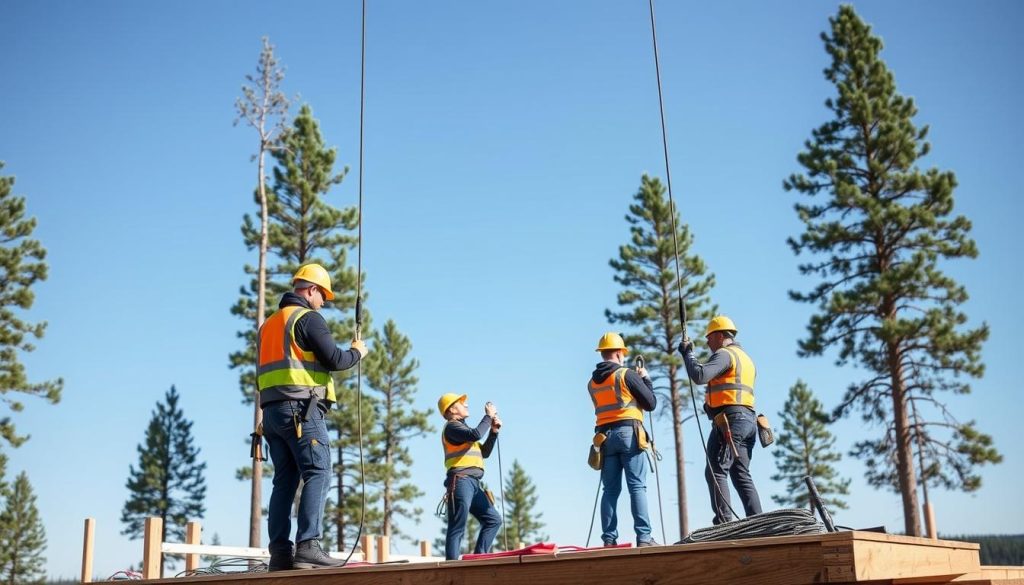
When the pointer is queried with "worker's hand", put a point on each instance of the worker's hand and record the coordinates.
(643, 372)
(360, 346)
(686, 345)
(495, 423)
(490, 410)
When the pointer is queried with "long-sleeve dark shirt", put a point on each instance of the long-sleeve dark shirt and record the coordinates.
(457, 432)
(312, 334)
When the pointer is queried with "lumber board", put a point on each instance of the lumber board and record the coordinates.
(846, 557)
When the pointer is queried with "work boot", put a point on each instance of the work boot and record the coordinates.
(647, 543)
(281, 561)
(309, 555)
(609, 543)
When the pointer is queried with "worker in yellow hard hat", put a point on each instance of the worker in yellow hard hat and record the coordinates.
(620, 395)
(728, 401)
(464, 461)
(297, 354)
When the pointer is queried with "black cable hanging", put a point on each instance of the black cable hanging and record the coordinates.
(359, 291)
(675, 247)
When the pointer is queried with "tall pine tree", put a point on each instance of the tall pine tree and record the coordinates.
(22, 264)
(169, 482)
(877, 227)
(646, 270)
(390, 373)
(263, 107)
(522, 520)
(806, 447)
(22, 536)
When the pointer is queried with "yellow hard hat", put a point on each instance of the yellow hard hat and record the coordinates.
(317, 275)
(447, 400)
(720, 323)
(611, 341)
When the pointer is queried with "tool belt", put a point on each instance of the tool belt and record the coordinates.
(764, 431)
(595, 456)
(721, 421)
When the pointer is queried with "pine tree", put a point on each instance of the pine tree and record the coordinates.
(390, 373)
(806, 447)
(878, 227)
(646, 270)
(263, 107)
(22, 536)
(169, 481)
(22, 264)
(523, 522)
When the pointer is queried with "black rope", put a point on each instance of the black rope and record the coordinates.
(501, 486)
(774, 523)
(359, 294)
(640, 363)
(594, 513)
(675, 247)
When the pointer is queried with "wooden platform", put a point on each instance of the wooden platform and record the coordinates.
(841, 557)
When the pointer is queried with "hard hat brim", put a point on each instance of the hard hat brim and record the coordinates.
(450, 403)
(624, 349)
(328, 294)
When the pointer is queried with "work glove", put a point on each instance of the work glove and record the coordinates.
(686, 345)
(490, 410)
(360, 346)
(495, 423)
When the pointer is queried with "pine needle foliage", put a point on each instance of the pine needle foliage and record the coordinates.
(877, 230)
(22, 265)
(22, 536)
(649, 307)
(807, 447)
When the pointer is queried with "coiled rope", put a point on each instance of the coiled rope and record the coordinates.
(775, 523)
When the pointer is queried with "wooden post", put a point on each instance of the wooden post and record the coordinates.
(424, 548)
(929, 521)
(193, 535)
(383, 548)
(152, 540)
(366, 543)
(87, 547)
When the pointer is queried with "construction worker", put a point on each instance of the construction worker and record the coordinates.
(296, 357)
(464, 460)
(619, 396)
(729, 403)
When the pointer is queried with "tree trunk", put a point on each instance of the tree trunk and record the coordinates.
(256, 493)
(904, 455)
(677, 428)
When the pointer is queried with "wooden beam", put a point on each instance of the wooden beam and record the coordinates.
(152, 540)
(424, 548)
(193, 532)
(366, 543)
(87, 549)
(383, 548)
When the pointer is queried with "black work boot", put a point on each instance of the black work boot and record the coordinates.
(309, 555)
(281, 560)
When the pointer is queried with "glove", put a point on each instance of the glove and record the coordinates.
(360, 346)
(686, 345)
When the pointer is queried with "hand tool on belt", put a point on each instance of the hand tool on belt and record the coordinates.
(722, 422)
(256, 444)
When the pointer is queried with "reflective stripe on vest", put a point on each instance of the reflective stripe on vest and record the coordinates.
(612, 399)
(462, 454)
(735, 385)
(285, 371)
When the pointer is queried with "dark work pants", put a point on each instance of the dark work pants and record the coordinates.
(722, 461)
(468, 497)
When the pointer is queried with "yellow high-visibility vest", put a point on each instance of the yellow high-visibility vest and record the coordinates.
(612, 399)
(286, 371)
(735, 385)
(461, 454)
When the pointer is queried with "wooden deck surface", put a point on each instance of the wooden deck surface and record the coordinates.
(840, 557)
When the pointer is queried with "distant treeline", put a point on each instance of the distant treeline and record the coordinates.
(997, 549)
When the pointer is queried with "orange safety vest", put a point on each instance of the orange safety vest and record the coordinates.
(612, 399)
(286, 371)
(461, 454)
(735, 385)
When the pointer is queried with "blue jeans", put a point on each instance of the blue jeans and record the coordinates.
(622, 452)
(722, 461)
(468, 497)
(307, 458)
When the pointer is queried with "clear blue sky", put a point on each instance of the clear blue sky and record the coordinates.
(503, 145)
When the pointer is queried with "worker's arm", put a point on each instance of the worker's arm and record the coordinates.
(642, 390)
(312, 334)
(458, 432)
(488, 445)
(719, 362)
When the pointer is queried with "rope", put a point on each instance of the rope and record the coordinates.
(640, 363)
(501, 486)
(675, 247)
(227, 566)
(359, 292)
(775, 523)
(594, 513)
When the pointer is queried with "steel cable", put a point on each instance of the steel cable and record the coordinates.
(775, 523)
